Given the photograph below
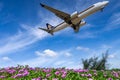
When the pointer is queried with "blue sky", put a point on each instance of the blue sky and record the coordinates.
(21, 42)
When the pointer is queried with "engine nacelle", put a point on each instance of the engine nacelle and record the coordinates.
(74, 14)
(82, 23)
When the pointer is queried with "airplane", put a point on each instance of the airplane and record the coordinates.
(75, 20)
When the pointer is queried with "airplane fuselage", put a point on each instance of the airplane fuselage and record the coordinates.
(77, 17)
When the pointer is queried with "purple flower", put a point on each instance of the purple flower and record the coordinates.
(80, 70)
(18, 76)
(25, 73)
(89, 75)
(47, 70)
(12, 71)
(105, 75)
(116, 74)
(57, 73)
(21, 71)
(1, 77)
(82, 75)
(94, 71)
(55, 79)
(37, 78)
(109, 78)
(47, 75)
(63, 75)
(32, 69)
(90, 79)
(95, 74)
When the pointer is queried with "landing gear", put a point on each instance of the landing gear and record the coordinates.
(102, 9)
(76, 27)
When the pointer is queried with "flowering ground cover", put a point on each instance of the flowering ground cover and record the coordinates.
(28, 73)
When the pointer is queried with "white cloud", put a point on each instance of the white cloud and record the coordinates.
(6, 58)
(68, 54)
(47, 57)
(38, 53)
(50, 53)
(47, 52)
(111, 56)
(6, 62)
(82, 48)
(22, 39)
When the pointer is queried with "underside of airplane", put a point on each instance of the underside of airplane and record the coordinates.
(75, 20)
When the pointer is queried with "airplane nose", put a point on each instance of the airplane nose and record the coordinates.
(106, 2)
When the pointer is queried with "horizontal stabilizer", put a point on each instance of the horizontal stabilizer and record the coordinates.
(46, 30)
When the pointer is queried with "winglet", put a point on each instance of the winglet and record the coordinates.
(42, 4)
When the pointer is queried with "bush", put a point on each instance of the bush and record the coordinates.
(95, 63)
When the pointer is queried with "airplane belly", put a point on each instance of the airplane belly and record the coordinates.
(76, 20)
(60, 27)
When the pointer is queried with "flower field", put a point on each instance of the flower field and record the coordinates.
(28, 73)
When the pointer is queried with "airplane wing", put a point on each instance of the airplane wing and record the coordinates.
(60, 14)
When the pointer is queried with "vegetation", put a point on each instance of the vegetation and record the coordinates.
(95, 63)
(28, 73)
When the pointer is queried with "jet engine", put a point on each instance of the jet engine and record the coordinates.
(74, 14)
(82, 23)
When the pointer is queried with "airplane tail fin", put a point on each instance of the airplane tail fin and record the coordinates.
(49, 29)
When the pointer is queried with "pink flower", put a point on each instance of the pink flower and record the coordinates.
(90, 79)
(57, 73)
(63, 75)
(47, 75)
(105, 75)
(1, 77)
(80, 70)
(37, 78)
(55, 79)
(12, 71)
(95, 74)
(82, 75)
(25, 73)
(116, 74)
(47, 70)
(18, 76)
(89, 75)
(110, 79)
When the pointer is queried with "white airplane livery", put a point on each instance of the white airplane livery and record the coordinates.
(75, 20)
